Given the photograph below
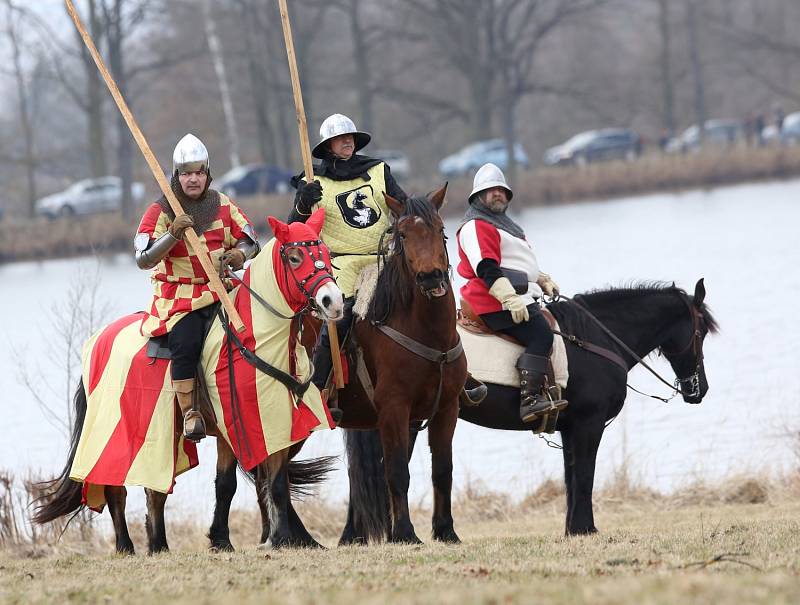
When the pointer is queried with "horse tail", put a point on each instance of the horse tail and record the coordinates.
(305, 474)
(61, 495)
(368, 515)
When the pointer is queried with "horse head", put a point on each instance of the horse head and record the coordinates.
(684, 345)
(419, 236)
(306, 280)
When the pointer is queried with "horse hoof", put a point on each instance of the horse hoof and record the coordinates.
(353, 541)
(448, 537)
(410, 539)
(221, 547)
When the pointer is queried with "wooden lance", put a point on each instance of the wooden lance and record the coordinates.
(305, 150)
(215, 283)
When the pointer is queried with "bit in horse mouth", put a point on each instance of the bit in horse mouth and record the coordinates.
(437, 292)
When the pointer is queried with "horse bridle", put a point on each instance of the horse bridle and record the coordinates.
(383, 253)
(696, 345)
(309, 283)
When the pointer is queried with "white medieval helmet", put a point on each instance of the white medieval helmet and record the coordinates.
(190, 155)
(336, 125)
(489, 176)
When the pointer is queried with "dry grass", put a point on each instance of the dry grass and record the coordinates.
(40, 239)
(732, 542)
(721, 554)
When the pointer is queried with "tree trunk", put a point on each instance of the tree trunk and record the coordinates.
(24, 112)
(509, 128)
(667, 89)
(692, 16)
(219, 69)
(481, 114)
(95, 96)
(259, 84)
(363, 75)
(116, 63)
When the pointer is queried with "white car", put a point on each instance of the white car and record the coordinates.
(87, 197)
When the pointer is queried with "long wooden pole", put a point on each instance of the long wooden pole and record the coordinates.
(305, 150)
(191, 237)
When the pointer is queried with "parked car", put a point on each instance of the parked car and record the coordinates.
(719, 133)
(397, 160)
(790, 132)
(595, 146)
(254, 179)
(474, 156)
(87, 197)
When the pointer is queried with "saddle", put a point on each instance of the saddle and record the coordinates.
(158, 346)
(471, 322)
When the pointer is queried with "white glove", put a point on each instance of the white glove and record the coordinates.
(548, 286)
(503, 291)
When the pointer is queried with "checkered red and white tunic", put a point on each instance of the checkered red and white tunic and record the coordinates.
(179, 282)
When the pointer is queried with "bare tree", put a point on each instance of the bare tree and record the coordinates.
(693, 16)
(665, 62)
(13, 20)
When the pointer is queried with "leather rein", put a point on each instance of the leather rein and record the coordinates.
(694, 343)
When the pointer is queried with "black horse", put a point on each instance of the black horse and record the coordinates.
(647, 318)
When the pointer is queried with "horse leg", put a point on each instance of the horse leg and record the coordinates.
(115, 497)
(224, 489)
(569, 476)
(262, 484)
(154, 522)
(440, 441)
(393, 426)
(274, 491)
(583, 451)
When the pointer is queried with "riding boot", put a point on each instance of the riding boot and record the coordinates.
(194, 428)
(534, 401)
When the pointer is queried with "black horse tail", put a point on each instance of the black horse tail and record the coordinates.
(62, 496)
(304, 475)
(368, 514)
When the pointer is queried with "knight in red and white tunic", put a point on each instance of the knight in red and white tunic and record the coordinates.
(182, 299)
(504, 284)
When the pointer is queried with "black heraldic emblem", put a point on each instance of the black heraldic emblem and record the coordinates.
(354, 209)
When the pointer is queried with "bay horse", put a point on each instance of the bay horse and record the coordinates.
(290, 278)
(416, 367)
(647, 318)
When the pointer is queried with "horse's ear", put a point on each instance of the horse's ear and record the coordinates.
(396, 206)
(699, 292)
(279, 228)
(317, 220)
(437, 197)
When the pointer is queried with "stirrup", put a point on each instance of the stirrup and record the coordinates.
(198, 431)
(540, 406)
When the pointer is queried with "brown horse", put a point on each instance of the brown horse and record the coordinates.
(416, 368)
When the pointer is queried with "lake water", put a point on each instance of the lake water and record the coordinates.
(742, 239)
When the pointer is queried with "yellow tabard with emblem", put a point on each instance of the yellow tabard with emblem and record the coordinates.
(356, 216)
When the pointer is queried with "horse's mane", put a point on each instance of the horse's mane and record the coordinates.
(394, 291)
(616, 296)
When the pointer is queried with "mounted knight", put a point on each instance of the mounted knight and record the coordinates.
(351, 188)
(505, 285)
(182, 300)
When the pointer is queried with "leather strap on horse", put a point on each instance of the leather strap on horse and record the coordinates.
(625, 347)
(593, 348)
(290, 382)
(426, 352)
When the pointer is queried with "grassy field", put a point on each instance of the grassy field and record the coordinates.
(649, 551)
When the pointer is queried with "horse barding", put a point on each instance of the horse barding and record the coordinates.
(258, 402)
(605, 334)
